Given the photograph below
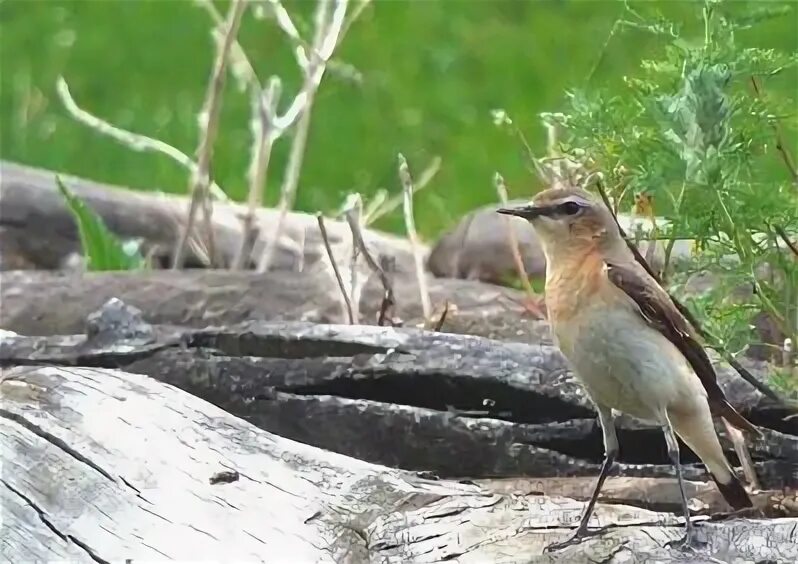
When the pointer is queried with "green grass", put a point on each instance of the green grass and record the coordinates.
(432, 71)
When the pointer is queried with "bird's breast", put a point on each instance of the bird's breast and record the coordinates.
(622, 362)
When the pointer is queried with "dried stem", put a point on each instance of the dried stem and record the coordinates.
(410, 224)
(738, 442)
(392, 203)
(240, 66)
(133, 141)
(264, 105)
(710, 339)
(353, 215)
(386, 268)
(328, 25)
(209, 123)
(501, 190)
(439, 324)
(784, 237)
(359, 243)
(780, 145)
(341, 286)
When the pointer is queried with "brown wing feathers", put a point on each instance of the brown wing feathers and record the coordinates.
(658, 310)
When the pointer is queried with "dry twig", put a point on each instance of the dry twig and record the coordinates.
(410, 224)
(133, 141)
(341, 286)
(240, 66)
(388, 268)
(353, 215)
(784, 237)
(382, 205)
(442, 319)
(501, 190)
(387, 284)
(209, 123)
(264, 105)
(328, 24)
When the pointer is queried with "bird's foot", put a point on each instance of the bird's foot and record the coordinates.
(688, 543)
(579, 536)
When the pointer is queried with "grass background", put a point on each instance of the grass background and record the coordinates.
(429, 74)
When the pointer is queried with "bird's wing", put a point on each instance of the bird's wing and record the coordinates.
(660, 313)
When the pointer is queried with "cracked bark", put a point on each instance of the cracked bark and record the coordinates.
(121, 464)
(165, 443)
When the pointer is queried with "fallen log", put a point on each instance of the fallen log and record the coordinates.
(38, 231)
(102, 465)
(453, 405)
(37, 302)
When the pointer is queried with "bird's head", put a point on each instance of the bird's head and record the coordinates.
(568, 219)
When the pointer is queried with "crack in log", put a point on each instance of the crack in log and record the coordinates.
(93, 555)
(67, 538)
(274, 346)
(444, 392)
(55, 441)
(39, 511)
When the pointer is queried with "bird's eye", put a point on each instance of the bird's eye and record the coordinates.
(571, 208)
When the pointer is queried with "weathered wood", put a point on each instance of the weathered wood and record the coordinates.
(107, 466)
(38, 230)
(38, 302)
(454, 405)
(656, 494)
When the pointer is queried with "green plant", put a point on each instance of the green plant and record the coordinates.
(696, 132)
(101, 248)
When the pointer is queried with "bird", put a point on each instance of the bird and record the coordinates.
(628, 345)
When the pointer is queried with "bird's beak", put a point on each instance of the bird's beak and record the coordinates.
(526, 212)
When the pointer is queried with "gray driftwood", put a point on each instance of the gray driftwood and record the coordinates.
(107, 466)
(454, 405)
(37, 230)
(37, 302)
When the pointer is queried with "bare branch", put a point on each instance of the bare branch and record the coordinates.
(501, 190)
(353, 214)
(738, 442)
(208, 124)
(442, 319)
(133, 141)
(784, 237)
(263, 109)
(361, 6)
(328, 27)
(240, 66)
(410, 224)
(377, 211)
(341, 286)
(387, 268)
(359, 243)
(287, 25)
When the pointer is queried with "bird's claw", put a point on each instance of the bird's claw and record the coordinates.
(688, 543)
(579, 536)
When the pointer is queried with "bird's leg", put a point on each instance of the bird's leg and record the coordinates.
(610, 452)
(689, 541)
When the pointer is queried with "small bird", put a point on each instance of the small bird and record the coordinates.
(627, 343)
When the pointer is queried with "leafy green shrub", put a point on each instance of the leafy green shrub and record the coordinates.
(696, 131)
(101, 248)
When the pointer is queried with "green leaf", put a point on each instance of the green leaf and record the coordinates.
(101, 248)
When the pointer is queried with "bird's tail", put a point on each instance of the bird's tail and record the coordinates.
(698, 433)
(733, 492)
